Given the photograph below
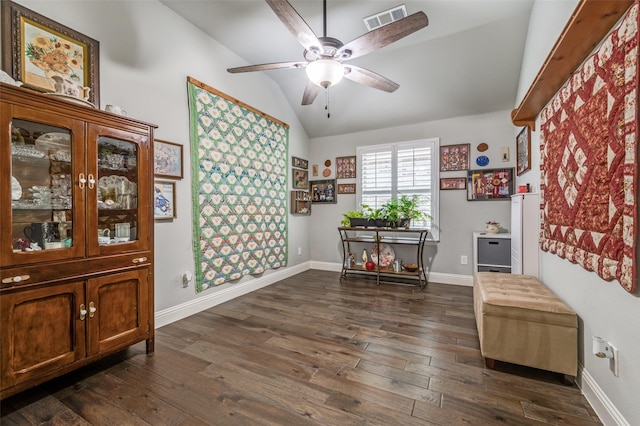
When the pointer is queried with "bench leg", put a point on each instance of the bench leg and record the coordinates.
(490, 363)
(568, 380)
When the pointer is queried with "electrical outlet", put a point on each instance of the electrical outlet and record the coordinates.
(299, 251)
(613, 362)
(463, 260)
(186, 279)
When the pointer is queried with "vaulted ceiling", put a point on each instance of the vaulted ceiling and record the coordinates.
(465, 62)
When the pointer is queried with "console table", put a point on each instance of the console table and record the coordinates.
(376, 237)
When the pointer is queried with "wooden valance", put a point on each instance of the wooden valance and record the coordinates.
(589, 24)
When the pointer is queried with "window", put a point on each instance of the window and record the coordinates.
(405, 168)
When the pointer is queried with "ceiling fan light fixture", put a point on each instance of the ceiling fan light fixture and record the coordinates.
(325, 72)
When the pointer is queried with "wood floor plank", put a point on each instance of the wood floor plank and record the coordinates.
(310, 350)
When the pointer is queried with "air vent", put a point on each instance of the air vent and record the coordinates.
(386, 17)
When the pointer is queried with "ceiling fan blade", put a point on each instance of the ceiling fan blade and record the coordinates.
(369, 78)
(295, 24)
(267, 67)
(383, 36)
(310, 93)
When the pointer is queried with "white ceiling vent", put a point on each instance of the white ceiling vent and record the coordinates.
(386, 17)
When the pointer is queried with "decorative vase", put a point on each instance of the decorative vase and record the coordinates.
(493, 228)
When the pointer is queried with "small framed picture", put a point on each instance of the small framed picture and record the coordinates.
(41, 53)
(314, 170)
(454, 157)
(346, 167)
(523, 150)
(323, 191)
(453, 183)
(299, 163)
(346, 188)
(167, 159)
(164, 199)
(489, 184)
(300, 179)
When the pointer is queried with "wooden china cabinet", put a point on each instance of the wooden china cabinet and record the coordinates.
(76, 236)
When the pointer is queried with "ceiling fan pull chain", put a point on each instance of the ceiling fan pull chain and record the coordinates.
(326, 102)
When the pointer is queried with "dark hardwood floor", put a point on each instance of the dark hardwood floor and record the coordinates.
(310, 350)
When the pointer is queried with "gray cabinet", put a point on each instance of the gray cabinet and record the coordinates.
(491, 252)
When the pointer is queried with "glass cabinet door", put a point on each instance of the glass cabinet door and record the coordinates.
(116, 209)
(117, 191)
(44, 197)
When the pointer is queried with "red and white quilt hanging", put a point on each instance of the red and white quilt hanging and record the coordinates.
(589, 160)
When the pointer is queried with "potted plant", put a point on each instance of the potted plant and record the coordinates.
(365, 217)
(398, 212)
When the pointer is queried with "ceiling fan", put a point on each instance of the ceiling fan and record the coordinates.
(324, 56)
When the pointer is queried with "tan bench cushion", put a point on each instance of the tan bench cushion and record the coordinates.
(521, 321)
(523, 297)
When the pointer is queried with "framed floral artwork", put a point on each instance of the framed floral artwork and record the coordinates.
(42, 53)
(454, 157)
(346, 167)
(167, 159)
(523, 150)
(164, 199)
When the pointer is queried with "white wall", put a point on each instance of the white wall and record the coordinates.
(146, 54)
(604, 308)
(459, 218)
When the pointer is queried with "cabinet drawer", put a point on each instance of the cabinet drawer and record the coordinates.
(503, 269)
(494, 251)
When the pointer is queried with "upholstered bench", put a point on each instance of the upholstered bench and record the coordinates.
(521, 321)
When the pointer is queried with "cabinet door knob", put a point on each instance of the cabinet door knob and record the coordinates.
(83, 312)
(92, 310)
(81, 180)
(92, 181)
(15, 279)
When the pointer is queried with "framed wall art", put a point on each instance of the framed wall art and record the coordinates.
(346, 167)
(323, 191)
(167, 159)
(453, 183)
(299, 163)
(489, 184)
(300, 179)
(346, 188)
(523, 150)
(164, 199)
(454, 157)
(42, 53)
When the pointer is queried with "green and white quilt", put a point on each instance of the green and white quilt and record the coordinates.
(239, 188)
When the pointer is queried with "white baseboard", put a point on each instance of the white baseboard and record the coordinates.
(436, 277)
(183, 310)
(601, 404)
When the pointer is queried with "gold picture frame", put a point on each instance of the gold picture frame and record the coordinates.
(35, 48)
